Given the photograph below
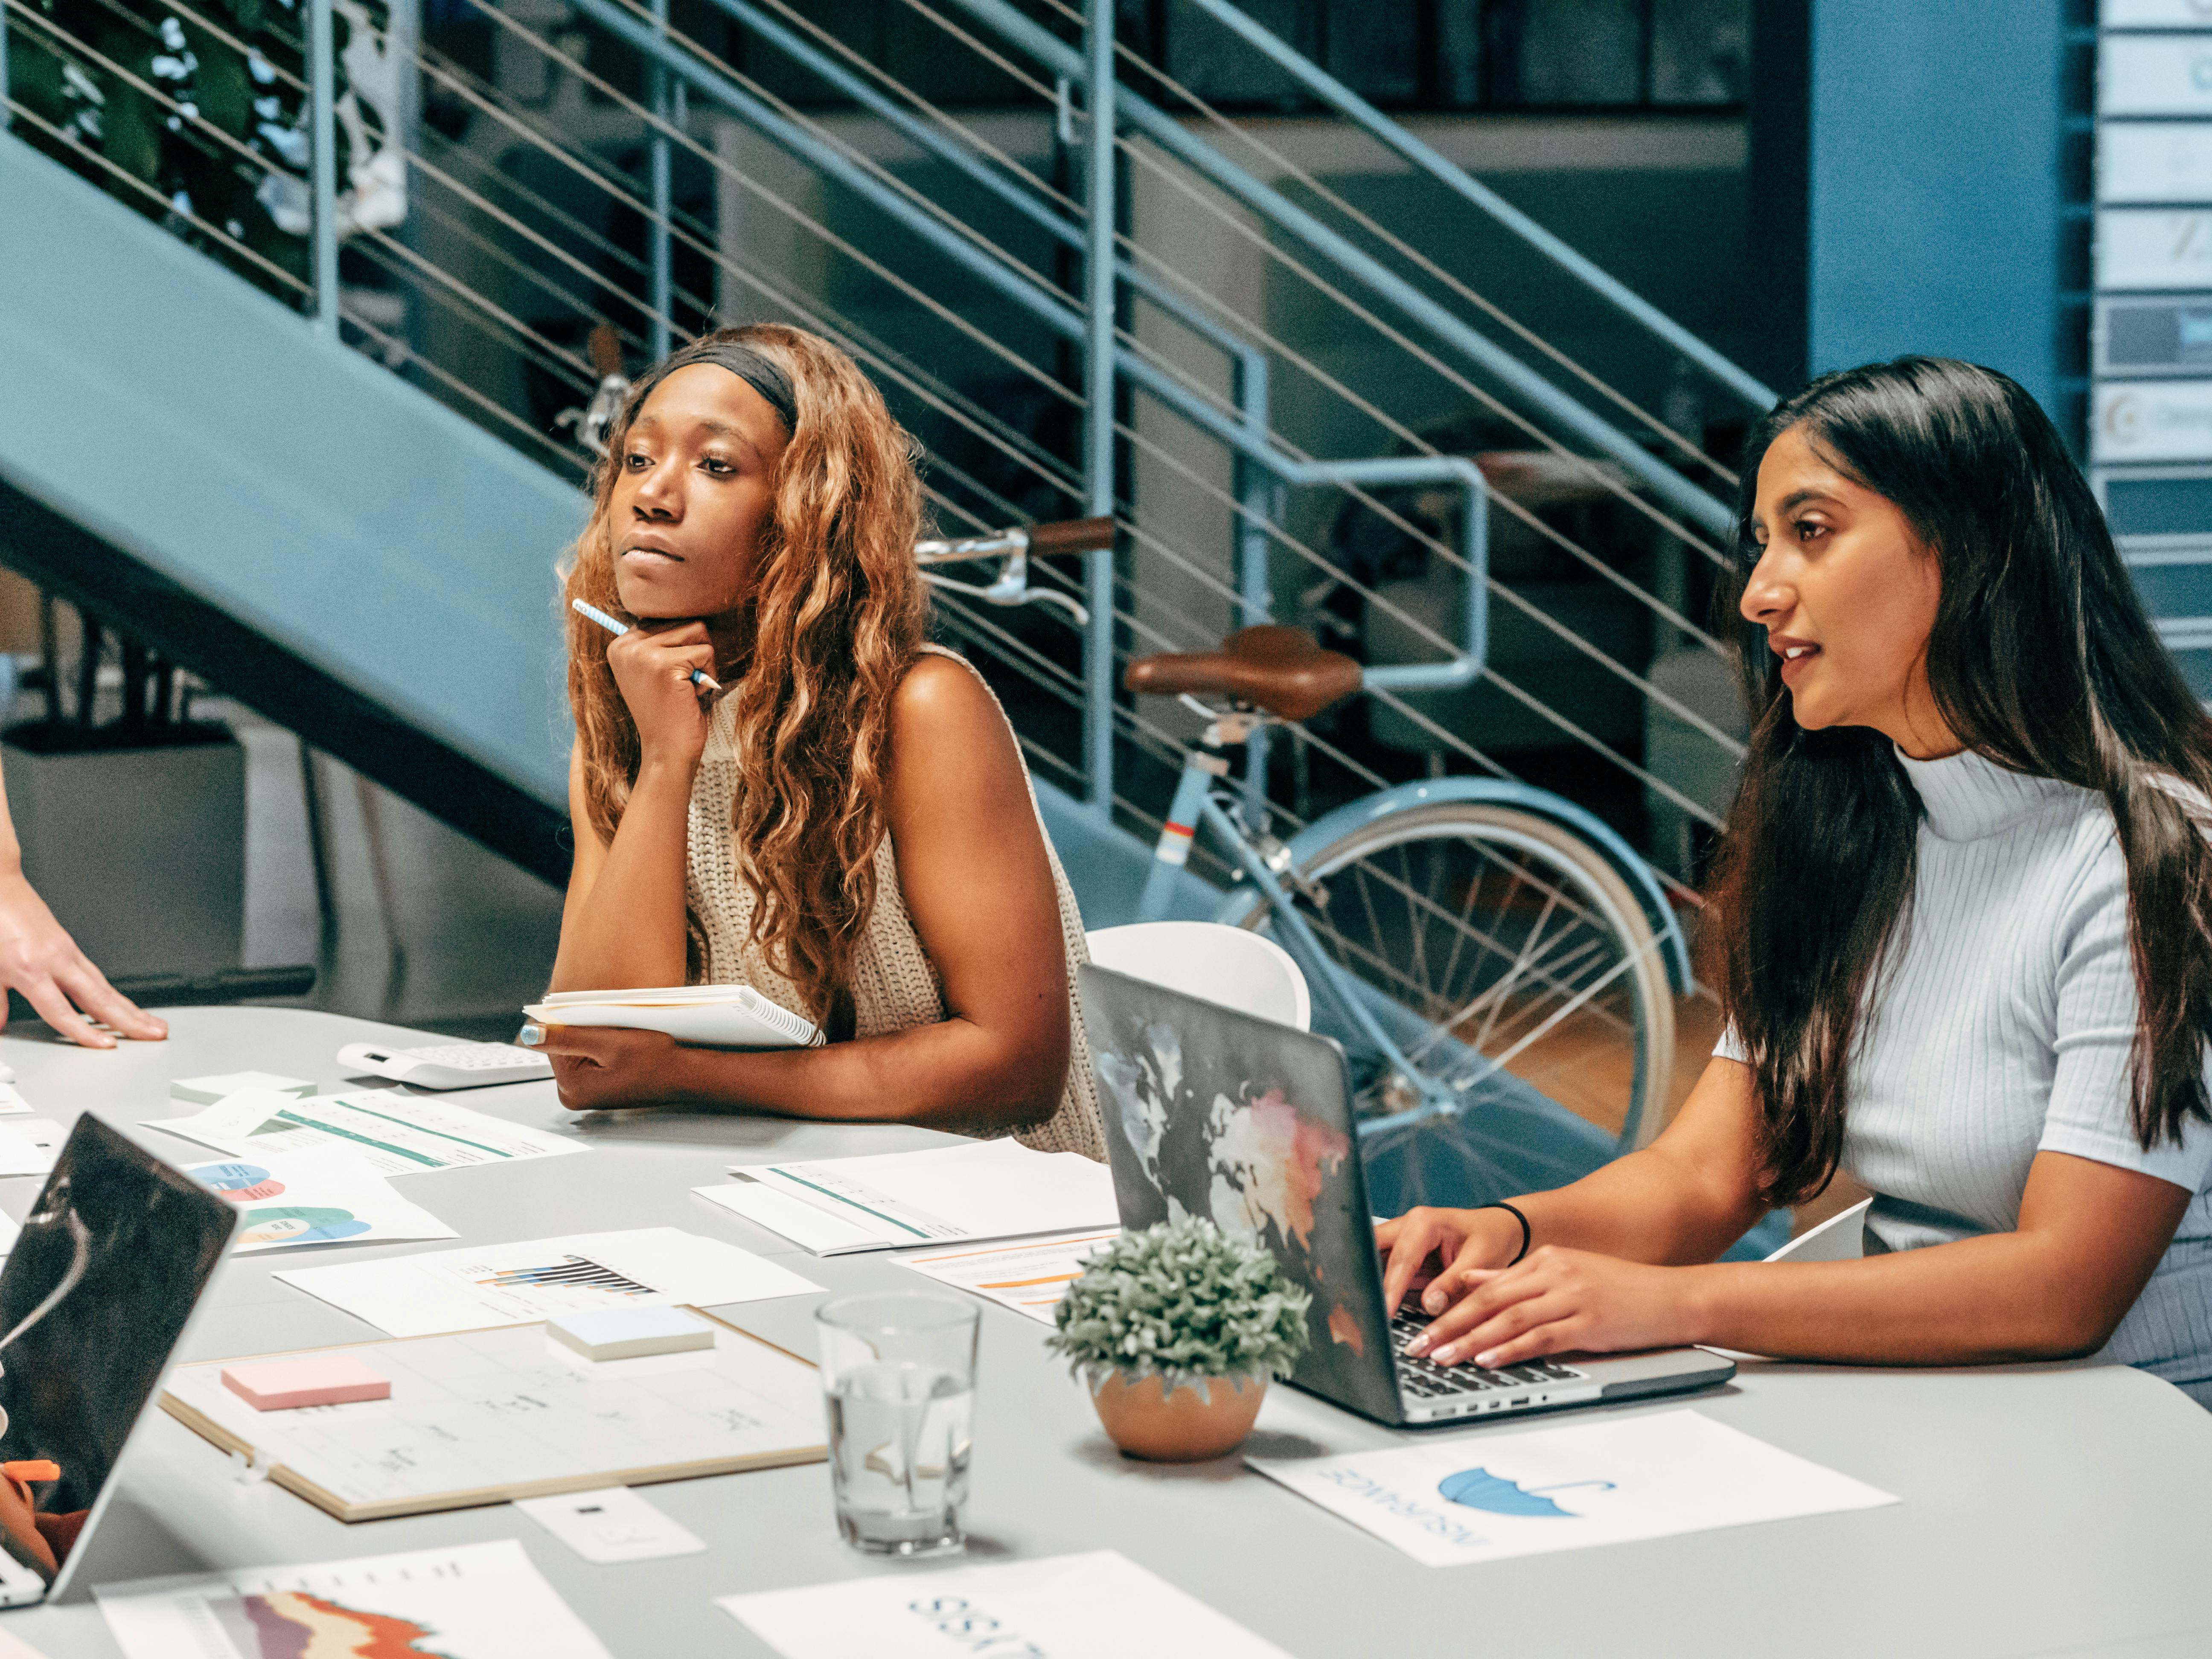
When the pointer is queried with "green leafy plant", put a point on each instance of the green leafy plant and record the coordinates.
(1185, 1302)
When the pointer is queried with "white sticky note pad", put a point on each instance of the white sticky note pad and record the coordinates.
(613, 1525)
(631, 1332)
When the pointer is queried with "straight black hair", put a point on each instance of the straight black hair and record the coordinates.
(2042, 659)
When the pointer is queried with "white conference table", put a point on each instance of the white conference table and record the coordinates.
(2046, 1509)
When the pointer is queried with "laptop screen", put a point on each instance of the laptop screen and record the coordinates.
(1212, 1112)
(139, 1240)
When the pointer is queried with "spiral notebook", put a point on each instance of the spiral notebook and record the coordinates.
(714, 1016)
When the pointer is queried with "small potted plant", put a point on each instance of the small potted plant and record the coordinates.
(1176, 1329)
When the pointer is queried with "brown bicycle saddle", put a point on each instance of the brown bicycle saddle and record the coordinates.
(1281, 670)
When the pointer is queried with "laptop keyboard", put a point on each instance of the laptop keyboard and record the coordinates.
(1419, 1379)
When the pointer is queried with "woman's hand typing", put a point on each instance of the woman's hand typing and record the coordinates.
(653, 669)
(1559, 1301)
(1435, 1249)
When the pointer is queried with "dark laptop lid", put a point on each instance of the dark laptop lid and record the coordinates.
(144, 1240)
(1215, 1112)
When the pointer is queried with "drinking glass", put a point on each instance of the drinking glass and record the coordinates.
(898, 1377)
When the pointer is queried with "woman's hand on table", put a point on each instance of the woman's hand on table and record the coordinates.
(40, 959)
(599, 1068)
(1558, 1301)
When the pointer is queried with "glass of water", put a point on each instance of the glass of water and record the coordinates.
(898, 1371)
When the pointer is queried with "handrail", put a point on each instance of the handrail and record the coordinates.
(1395, 137)
(1670, 486)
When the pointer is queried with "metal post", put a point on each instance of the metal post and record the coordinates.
(1255, 592)
(321, 76)
(656, 229)
(1099, 410)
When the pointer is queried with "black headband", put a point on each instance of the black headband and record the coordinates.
(753, 368)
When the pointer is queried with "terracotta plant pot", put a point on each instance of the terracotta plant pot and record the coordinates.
(1144, 1421)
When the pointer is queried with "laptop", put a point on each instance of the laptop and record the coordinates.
(95, 1296)
(1215, 1112)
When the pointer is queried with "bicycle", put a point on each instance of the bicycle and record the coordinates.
(1452, 925)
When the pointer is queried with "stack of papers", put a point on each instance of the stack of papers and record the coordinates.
(986, 1189)
(325, 1197)
(393, 1132)
(28, 1146)
(714, 1016)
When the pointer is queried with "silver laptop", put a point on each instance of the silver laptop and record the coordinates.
(95, 1296)
(1215, 1112)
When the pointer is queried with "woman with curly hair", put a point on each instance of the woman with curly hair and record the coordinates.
(845, 823)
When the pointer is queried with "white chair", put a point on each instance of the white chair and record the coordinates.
(1231, 966)
(1839, 1239)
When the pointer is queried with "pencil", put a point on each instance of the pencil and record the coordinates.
(699, 676)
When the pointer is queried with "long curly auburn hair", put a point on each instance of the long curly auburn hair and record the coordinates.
(838, 611)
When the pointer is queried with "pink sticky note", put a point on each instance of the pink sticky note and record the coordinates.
(276, 1385)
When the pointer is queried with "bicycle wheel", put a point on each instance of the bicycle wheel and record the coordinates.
(1511, 954)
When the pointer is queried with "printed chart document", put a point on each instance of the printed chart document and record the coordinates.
(487, 1285)
(1100, 1605)
(985, 1189)
(1484, 1498)
(473, 1602)
(1030, 1276)
(28, 1146)
(397, 1133)
(329, 1197)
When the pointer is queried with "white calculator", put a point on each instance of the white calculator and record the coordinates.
(447, 1065)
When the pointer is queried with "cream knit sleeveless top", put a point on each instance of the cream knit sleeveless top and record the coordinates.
(895, 985)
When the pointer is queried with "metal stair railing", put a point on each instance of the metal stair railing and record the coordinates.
(519, 235)
(1533, 389)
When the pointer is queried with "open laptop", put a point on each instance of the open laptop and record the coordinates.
(1215, 1112)
(95, 1296)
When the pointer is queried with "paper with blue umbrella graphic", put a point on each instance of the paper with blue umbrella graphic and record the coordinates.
(1479, 1489)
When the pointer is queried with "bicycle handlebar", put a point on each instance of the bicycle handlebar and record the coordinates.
(1070, 535)
(1011, 548)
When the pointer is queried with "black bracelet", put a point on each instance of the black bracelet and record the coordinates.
(1518, 1216)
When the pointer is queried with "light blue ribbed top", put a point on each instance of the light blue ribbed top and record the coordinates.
(2002, 1028)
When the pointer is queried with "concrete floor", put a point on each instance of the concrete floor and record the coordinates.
(469, 938)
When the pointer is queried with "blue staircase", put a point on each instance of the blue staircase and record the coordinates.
(187, 457)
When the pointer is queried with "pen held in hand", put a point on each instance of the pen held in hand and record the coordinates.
(699, 676)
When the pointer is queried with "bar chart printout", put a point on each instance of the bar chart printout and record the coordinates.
(437, 1292)
(475, 1601)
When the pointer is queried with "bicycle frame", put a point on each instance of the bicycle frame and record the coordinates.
(1194, 804)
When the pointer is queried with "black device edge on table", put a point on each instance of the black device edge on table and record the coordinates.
(76, 1382)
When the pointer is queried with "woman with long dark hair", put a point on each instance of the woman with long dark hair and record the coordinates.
(1965, 917)
(844, 823)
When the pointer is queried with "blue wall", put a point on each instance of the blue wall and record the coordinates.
(1933, 196)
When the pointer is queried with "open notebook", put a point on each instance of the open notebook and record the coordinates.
(714, 1016)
